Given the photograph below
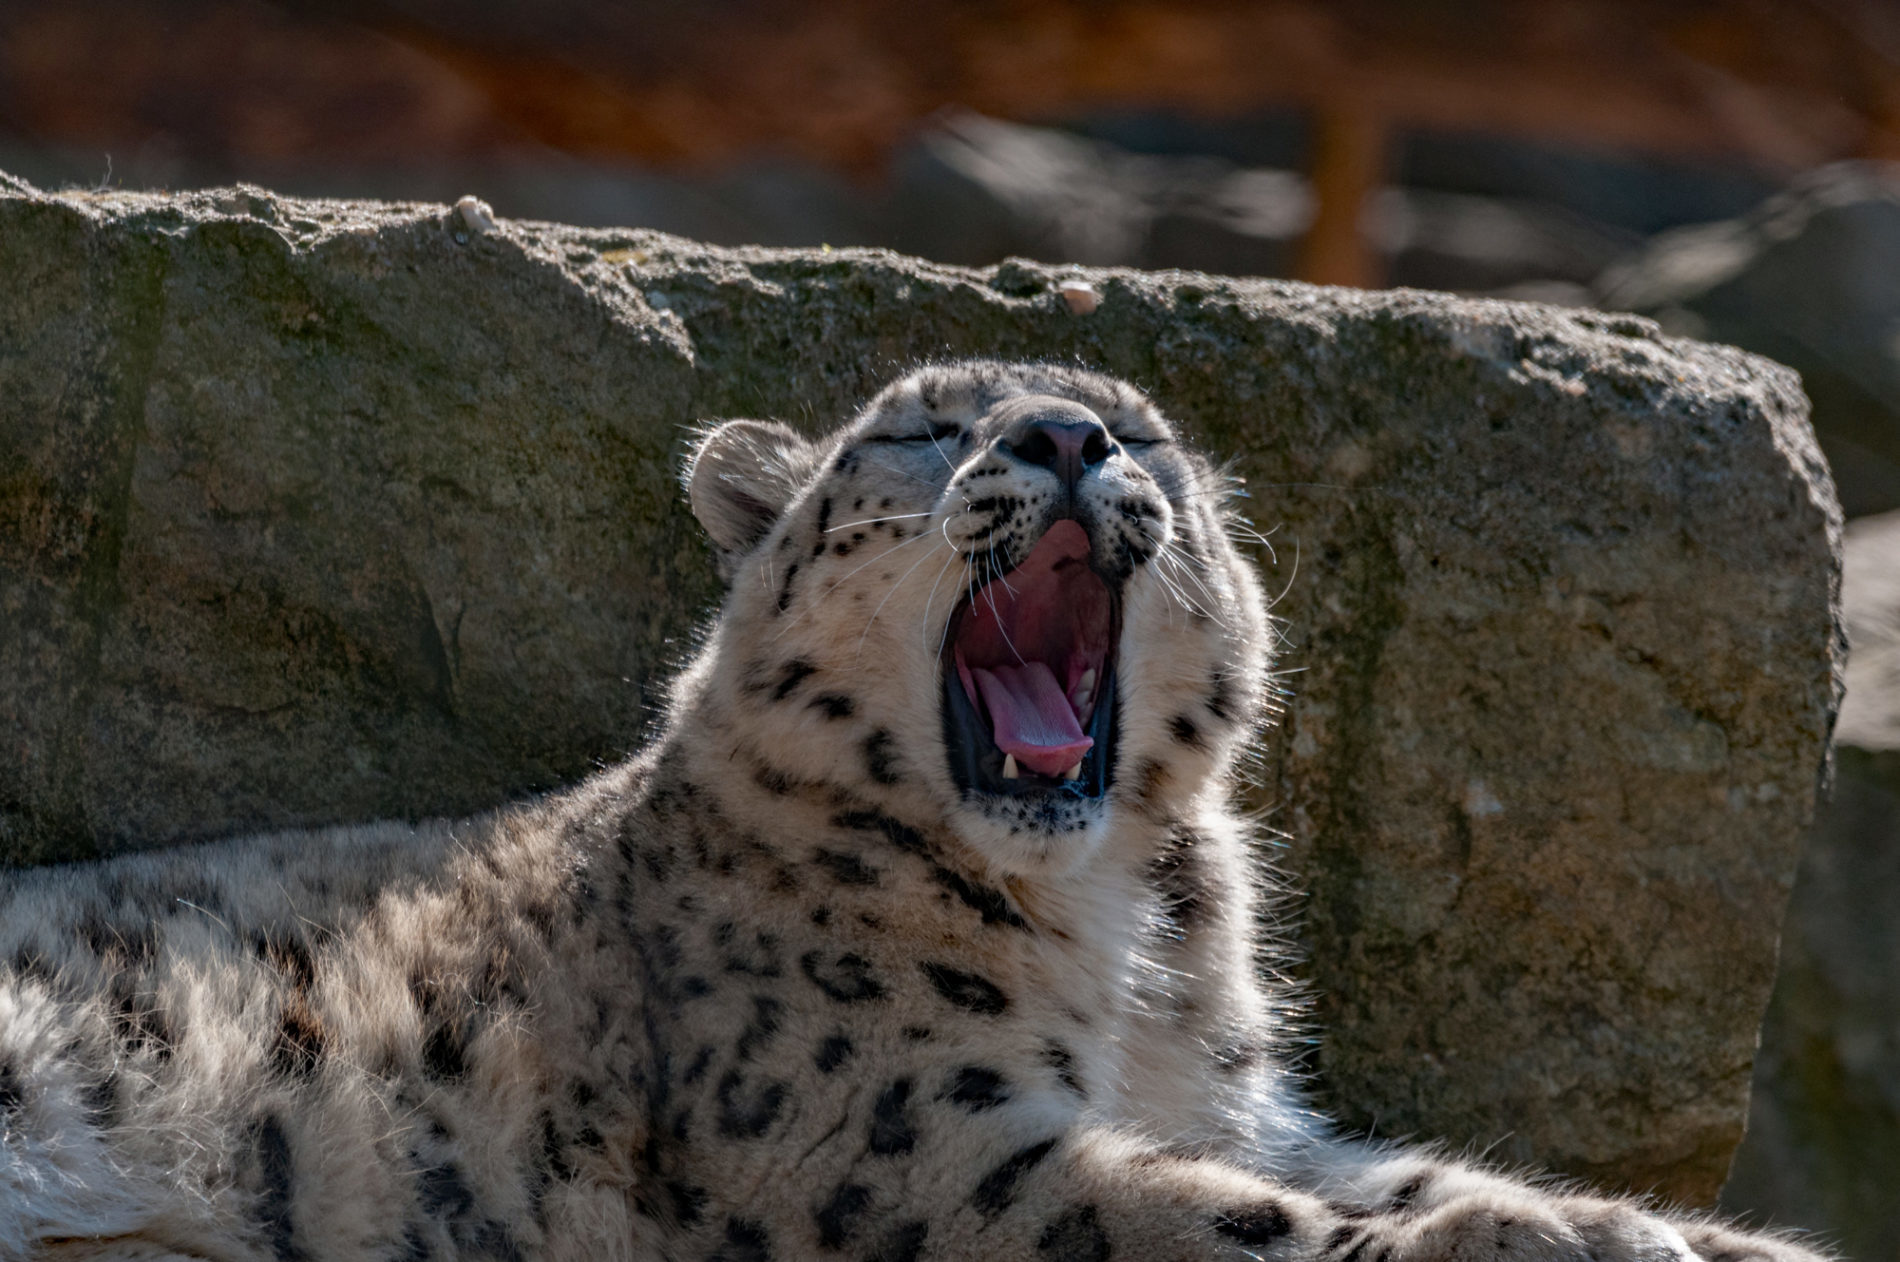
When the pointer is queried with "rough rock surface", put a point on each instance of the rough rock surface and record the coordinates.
(323, 511)
(1823, 1143)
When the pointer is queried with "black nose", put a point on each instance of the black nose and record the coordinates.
(1068, 445)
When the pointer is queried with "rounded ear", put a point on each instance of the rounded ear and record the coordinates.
(741, 475)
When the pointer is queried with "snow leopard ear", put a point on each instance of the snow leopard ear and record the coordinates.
(741, 475)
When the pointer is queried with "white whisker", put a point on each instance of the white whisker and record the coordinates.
(1187, 601)
(989, 560)
(814, 602)
(1169, 558)
(1179, 593)
(1003, 575)
(887, 598)
(901, 473)
(1240, 528)
(873, 521)
(1190, 570)
(1290, 577)
(945, 637)
(932, 598)
(947, 462)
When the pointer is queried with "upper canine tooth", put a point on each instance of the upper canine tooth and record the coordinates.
(1075, 772)
(1087, 682)
(1010, 771)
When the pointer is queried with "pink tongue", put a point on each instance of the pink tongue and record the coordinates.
(1034, 721)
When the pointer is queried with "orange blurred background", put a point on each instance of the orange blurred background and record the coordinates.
(397, 96)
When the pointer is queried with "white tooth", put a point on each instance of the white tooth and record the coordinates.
(1075, 772)
(1083, 698)
(1087, 682)
(1010, 771)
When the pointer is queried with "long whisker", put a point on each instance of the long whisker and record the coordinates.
(1187, 601)
(887, 598)
(945, 637)
(872, 521)
(1290, 577)
(901, 473)
(1190, 570)
(1241, 528)
(1183, 484)
(1194, 571)
(813, 604)
(1002, 576)
(947, 462)
(1169, 555)
(1245, 529)
(1176, 598)
(969, 587)
(1180, 593)
(932, 597)
(989, 590)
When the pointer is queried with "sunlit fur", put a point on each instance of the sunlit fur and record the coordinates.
(776, 987)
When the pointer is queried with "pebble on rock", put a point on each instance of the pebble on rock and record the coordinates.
(476, 215)
(1080, 295)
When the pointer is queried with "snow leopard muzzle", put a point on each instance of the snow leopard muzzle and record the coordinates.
(1029, 675)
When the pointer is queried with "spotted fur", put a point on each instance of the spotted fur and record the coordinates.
(776, 988)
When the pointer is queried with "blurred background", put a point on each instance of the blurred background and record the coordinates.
(1720, 165)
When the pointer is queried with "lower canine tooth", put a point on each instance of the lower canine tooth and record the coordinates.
(1075, 772)
(1010, 771)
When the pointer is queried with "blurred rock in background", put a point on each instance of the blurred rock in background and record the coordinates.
(1823, 1143)
(1811, 278)
(975, 190)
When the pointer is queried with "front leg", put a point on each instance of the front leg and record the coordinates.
(921, 1113)
(1413, 1206)
(1204, 1053)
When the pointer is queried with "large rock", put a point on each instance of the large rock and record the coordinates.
(1823, 1144)
(323, 511)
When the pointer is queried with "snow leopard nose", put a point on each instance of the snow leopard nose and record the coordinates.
(1060, 436)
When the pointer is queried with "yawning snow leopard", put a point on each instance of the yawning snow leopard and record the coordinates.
(924, 930)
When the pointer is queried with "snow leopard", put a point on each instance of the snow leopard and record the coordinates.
(926, 927)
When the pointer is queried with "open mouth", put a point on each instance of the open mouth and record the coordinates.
(1030, 704)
